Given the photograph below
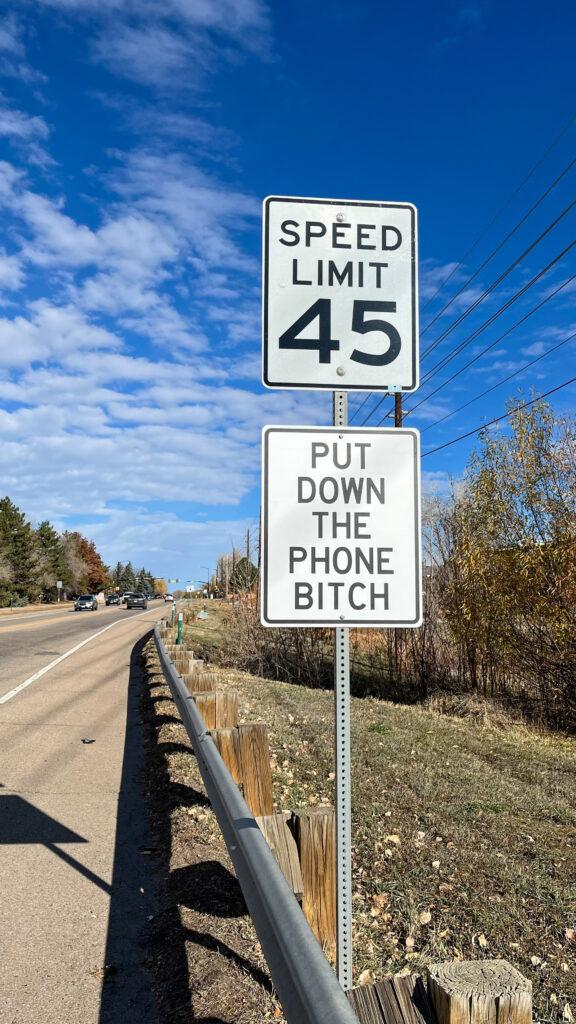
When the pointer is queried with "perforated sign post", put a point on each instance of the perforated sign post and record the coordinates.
(341, 507)
(340, 297)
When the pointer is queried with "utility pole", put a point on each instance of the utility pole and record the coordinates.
(398, 409)
(397, 423)
(248, 543)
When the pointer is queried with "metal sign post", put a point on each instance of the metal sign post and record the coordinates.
(343, 772)
(341, 505)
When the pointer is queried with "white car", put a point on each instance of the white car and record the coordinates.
(168, 599)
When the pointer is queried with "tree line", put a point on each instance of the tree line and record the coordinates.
(33, 559)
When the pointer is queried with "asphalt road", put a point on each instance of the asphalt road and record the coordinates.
(29, 641)
(75, 874)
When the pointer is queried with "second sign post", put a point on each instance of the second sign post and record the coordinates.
(341, 506)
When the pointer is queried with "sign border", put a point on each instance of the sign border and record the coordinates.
(265, 290)
(375, 624)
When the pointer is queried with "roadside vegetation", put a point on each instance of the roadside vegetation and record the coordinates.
(34, 558)
(499, 591)
(464, 824)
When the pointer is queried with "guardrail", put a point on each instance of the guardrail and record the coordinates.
(306, 984)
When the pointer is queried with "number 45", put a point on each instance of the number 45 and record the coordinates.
(325, 344)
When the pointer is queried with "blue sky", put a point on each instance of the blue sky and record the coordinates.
(138, 138)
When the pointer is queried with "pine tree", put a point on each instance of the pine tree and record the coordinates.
(128, 577)
(117, 573)
(18, 561)
(51, 562)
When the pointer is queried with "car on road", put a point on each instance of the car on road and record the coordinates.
(113, 599)
(168, 599)
(86, 603)
(125, 597)
(137, 601)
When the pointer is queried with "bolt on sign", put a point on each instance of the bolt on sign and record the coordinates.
(341, 527)
(340, 305)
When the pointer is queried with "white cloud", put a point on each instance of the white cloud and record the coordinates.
(51, 332)
(152, 55)
(11, 272)
(10, 37)
(172, 44)
(25, 131)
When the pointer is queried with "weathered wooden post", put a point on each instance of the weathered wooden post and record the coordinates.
(256, 771)
(246, 753)
(199, 682)
(281, 841)
(184, 662)
(218, 708)
(480, 992)
(228, 746)
(315, 832)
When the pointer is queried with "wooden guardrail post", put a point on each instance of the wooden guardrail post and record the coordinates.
(184, 662)
(315, 832)
(218, 708)
(199, 682)
(226, 741)
(478, 991)
(280, 839)
(246, 753)
(256, 771)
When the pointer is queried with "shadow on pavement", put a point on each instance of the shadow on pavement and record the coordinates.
(22, 822)
(127, 986)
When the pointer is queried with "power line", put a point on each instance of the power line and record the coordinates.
(498, 280)
(504, 380)
(362, 404)
(498, 247)
(500, 338)
(494, 316)
(487, 260)
(500, 212)
(497, 419)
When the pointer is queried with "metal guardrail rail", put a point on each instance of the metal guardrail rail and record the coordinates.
(306, 984)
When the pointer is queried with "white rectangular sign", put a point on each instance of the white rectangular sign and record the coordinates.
(340, 302)
(341, 527)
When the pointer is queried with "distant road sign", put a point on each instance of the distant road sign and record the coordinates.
(341, 527)
(340, 300)
(189, 589)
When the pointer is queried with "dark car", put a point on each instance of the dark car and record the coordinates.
(137, 601)
(113, 599)
(86, 603)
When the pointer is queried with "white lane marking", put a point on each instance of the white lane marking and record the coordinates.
(42, 671)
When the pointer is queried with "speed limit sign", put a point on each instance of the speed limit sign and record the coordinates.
(340, 295)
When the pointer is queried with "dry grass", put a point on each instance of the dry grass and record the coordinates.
(464, 828)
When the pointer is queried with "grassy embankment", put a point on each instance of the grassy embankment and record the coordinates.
(464, 830)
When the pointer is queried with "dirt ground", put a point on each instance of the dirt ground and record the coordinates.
(205, 954)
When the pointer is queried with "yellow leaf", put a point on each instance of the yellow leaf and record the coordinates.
(482, 940)
(367, 978)
(425, 917)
